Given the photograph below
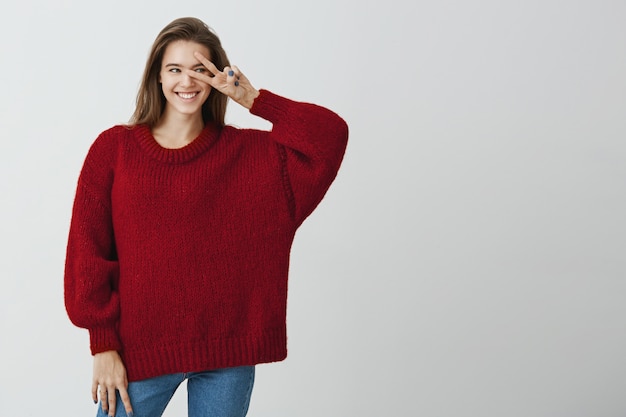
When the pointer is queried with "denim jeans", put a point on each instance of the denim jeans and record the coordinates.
(217, 393)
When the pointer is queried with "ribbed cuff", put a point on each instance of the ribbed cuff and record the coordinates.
(104, 338)
(270, 106)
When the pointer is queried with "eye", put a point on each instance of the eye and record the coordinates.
(201, 70)
(175, 70)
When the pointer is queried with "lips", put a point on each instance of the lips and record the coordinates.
(187, 96)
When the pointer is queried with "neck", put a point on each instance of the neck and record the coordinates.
(177, 130)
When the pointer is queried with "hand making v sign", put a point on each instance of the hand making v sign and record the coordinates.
(230, 82)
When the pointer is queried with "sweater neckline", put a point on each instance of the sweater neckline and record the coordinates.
(199, 145)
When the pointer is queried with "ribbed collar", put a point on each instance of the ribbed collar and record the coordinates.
(199, 145)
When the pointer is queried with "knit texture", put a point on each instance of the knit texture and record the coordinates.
(178, 258)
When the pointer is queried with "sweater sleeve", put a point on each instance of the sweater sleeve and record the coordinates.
(311, 142)
(91, 266)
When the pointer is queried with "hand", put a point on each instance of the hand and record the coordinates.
(230, 82)
(109, 373)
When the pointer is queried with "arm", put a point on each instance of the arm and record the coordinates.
(91, 267)
(91, 275)
(311, 140)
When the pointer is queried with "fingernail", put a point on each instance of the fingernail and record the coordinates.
(131, 414)
(95, 401)
(236, 83)
(231, 73)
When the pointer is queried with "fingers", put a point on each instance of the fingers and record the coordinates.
(104, 399)
(232, 75)
(108, 399)
(110, 392)
(94, 392)
(126, 401)
(208, 64)
(238, 73)
(232, 78)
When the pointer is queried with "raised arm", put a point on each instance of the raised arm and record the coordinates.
(311, 142)
(311, 139)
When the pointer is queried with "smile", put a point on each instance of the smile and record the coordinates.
(187, 95)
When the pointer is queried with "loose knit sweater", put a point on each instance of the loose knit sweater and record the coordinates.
(178, 258)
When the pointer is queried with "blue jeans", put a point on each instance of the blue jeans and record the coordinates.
(218, 393)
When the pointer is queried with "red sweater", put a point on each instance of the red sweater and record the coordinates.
(178, 258)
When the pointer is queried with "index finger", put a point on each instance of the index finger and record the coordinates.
(126, 401)
(208, 64)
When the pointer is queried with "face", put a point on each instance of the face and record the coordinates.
(184, 94)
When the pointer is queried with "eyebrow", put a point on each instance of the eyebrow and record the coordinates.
(179, 65)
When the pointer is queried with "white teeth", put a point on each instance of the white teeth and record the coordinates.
(187, 95)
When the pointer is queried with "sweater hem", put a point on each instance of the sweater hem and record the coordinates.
(205, 355)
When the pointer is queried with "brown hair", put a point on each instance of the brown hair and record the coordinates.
(150, 98)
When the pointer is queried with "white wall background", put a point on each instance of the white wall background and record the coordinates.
(468, 261)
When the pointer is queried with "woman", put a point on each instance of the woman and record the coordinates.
(178, 249)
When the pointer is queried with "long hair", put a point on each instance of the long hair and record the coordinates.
(150, 98)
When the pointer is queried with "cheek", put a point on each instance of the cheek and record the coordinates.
(165, 83)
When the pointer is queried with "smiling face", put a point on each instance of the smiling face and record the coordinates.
(184, 94)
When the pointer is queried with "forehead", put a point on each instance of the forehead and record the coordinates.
(181, 52)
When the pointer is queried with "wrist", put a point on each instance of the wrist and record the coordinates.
(107, 353)
(249, 98)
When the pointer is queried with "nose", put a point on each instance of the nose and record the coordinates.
(185, 80)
